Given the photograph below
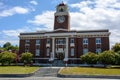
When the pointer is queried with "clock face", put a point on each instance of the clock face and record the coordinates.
(60, 19)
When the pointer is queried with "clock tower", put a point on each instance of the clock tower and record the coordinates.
(62, 18)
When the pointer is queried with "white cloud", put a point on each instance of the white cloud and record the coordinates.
(46, 19)
(14, 10)
(34, 2)
(15, 33)
(12, 35)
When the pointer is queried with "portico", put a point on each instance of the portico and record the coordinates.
(59, 47)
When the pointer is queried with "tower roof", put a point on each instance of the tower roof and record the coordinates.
(61, 4)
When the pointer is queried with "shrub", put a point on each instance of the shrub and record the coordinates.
(90, 58)
(107, 57)
(7, 57)
(26, 58)
(117, 58)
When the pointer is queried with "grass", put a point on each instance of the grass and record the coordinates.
(17, 69)
(90, 71)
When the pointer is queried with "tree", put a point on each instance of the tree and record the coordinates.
(107, 57)
(7, 57)
(26, 58)
(90, 58)
(7, 44)
(116, 47)
(117, 58)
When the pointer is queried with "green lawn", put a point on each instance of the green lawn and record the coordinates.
(17, 69)
(90, 71)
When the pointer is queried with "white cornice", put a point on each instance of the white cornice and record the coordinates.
(60, 29)
(72, 34)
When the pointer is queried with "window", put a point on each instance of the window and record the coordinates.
(72, 51)
(60, 41)
(37, 52)
(27, 41)
(98, 50)
(48, 41)
(26, 49)
(98, 40)
(38, 42)
(85, 51)
(48, 51)
(85, 41)
(72, 40)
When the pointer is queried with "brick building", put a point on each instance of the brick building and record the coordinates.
(63, 44)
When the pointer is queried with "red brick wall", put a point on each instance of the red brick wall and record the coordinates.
(79, 47)
(21, 46)
(105, 43)
(92, 45)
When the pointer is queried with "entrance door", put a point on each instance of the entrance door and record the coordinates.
(60, 56)
(59, 61)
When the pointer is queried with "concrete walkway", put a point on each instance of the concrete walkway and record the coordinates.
(47, 72)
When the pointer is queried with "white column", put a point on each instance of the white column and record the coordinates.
(66, 52)
(53, 47)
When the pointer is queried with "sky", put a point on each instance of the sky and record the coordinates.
(17, 16)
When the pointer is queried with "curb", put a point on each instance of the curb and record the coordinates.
(16, 75)
(88, 76)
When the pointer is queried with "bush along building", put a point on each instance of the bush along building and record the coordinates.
(63, 45)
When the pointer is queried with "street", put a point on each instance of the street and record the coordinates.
(53, 78)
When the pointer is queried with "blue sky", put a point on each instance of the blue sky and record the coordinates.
(18, 16)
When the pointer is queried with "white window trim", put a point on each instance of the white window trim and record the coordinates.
(86, 40)
(98, 40)
(37, 42)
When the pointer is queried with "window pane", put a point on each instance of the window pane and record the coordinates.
(85, 51)
(85, 41)
(98, 50)
(37, 41)
(72, 40)
(60, 41)
(72, 51)
(98, 40)
(27, 41)
(48, 41)
(48, 51)
(37, 52)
